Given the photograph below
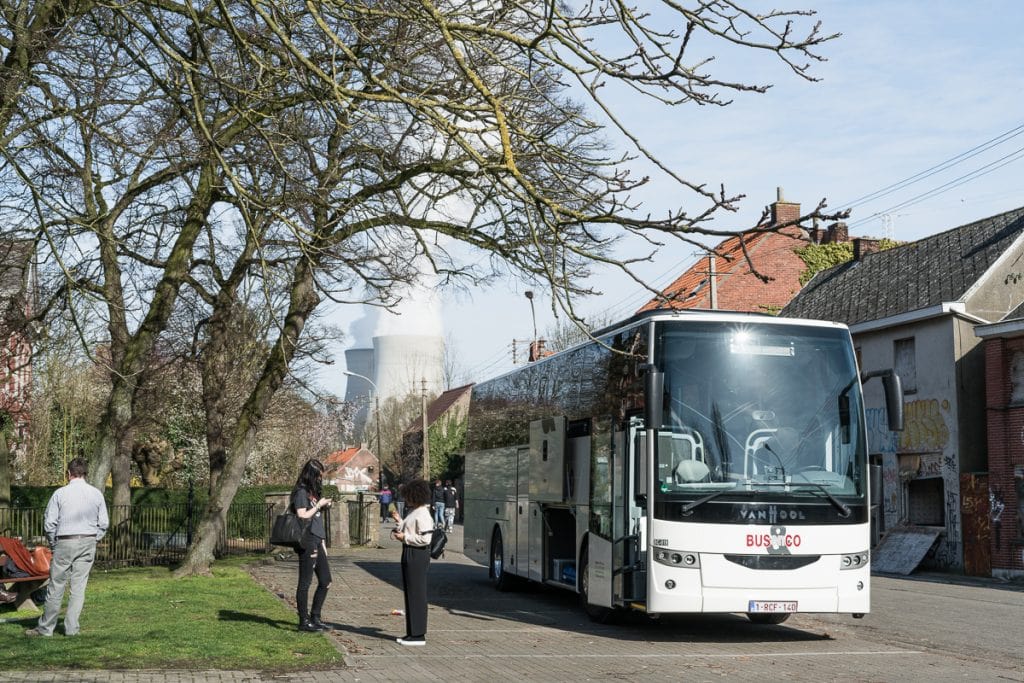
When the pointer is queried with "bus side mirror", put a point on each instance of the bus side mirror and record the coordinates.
(654, 397)
(893, 400)
(893, 396)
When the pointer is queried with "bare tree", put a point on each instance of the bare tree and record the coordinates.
(351, 139)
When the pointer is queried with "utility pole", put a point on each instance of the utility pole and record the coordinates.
(426, 439)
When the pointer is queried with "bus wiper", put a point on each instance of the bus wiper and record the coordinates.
(689, 507)
(844, 509)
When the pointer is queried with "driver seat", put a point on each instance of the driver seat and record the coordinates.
(691, 471)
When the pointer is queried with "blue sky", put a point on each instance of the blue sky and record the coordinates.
(908, 86)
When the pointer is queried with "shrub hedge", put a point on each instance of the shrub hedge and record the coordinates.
(39, 496)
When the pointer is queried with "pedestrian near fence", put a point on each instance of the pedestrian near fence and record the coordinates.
(308, 501)
(385, 502)
(414, 532)
(75, 519)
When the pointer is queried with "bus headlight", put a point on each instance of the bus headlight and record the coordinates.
(854, 560)
(676, 558)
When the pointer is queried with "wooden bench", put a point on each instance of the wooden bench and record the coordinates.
(24, 585)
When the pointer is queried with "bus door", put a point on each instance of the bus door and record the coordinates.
(521, 554)
(630, 523)
(599, 563)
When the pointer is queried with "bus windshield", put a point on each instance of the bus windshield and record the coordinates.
(759, 408)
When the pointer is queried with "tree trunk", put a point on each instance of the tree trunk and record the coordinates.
(130, 354)
(5, 473)
(215, 376)
(303, 300)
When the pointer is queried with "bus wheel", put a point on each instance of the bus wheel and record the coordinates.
(597, 614)
(776, 618)
(499, 577)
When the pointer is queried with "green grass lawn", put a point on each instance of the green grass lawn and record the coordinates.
(146, 619)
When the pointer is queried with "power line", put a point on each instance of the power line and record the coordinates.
(938, 168)
(945, 187)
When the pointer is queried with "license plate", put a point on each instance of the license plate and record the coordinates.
(771, 606)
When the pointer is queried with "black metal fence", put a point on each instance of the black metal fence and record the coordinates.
(143, 535)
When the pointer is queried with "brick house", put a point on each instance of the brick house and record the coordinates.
(352, 469)
(724, 280)
(917, 308)
(1004, 407)
(451, 406)
(16, 351)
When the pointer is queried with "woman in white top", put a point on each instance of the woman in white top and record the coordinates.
(414, 532)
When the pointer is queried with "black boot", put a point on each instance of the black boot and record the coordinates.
(309, 627)
(315, 621)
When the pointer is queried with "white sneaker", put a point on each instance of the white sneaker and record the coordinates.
(411, 642)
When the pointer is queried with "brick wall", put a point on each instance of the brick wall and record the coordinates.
(741, 290)
(1005, 424)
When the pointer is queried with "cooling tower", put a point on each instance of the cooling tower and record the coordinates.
(357, 390)
(402, 361)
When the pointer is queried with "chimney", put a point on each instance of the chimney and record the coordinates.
(783, 211)
(862, 246)
(838, 232)
(814, 235)
(537, 350)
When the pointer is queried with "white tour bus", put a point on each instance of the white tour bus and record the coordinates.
(689, 462)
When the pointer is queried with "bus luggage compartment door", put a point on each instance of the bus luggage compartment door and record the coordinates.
(599, 571)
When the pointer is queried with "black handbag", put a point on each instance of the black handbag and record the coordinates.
(288, 530)
(438, 540)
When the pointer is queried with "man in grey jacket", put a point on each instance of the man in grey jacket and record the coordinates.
(76, 518)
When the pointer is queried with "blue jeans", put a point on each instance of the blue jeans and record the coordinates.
(72, 561)
(438, 514)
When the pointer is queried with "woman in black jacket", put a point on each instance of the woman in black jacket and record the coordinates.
(308, 501)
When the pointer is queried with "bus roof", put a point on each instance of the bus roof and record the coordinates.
(701, 314)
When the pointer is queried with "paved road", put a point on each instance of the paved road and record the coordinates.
(922, 629)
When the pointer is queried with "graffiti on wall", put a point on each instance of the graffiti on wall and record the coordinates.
(926, 433)
(996, 505)
(924, 427)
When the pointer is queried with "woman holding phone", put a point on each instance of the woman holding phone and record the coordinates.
(308, 501)
(414, 532)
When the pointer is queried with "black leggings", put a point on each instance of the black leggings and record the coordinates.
(312, 560)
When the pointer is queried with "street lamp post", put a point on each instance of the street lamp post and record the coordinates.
(533, 313)
(376, 419)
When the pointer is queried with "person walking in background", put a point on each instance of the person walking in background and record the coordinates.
(399, 503)
(438, 501)
(414, 532)
(75, 519)
(385, 502)
(451, 504)
(308, 501)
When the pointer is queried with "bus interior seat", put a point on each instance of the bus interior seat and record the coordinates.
(756, 439)
(688, 456)
(691, 471)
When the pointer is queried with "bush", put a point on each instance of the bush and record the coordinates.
(39, 496)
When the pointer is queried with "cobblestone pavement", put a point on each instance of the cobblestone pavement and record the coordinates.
(535, 634)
